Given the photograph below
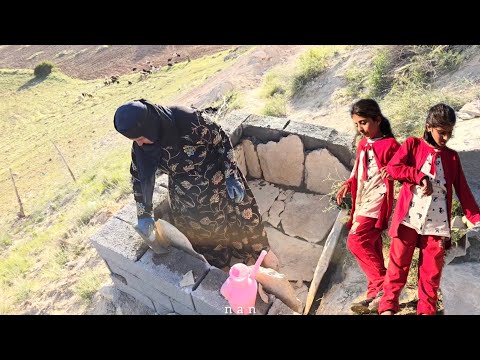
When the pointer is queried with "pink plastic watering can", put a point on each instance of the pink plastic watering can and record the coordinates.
(240, 289)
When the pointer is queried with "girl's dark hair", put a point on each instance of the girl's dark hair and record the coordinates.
(440, 115)
(369, 108)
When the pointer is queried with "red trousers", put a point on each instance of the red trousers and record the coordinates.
(430, 264)
(365, 243)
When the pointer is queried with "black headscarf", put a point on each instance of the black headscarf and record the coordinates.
(142, 118)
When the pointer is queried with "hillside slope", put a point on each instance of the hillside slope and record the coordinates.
(89, 62)
(47, 265)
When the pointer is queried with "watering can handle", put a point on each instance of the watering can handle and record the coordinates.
(257, 264)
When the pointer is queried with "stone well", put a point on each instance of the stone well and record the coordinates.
(290, 168)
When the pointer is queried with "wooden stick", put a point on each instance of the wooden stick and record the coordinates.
(65, 162)
(21, 213)
(325, 258)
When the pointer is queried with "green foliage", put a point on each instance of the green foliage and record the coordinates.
(457, 208)
(281, 83)
(407, 106)
(457, 234)
(12, 267)
(276, 106)
(235, 100)
(89, 284)
(378, 78)
(43, 69)
(56, 207)
(5, 240)
(274, 83)
(356, 81)
(24, 291)
(228, 102)
(310, 65)
(274, 90)
(426, 63)
(400, 77)
(337, 182)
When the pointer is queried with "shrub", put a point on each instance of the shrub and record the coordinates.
(310, 65)
(274, 83)
(378, 79)
(276, 106)
(43, 69)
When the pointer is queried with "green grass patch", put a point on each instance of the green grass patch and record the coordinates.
(59, 211)
(38, 113)
(407, 107)
(89, 283)
(275, 82)
(356, 82)
(311, 64)
(5, 240)
(275, 90)
(425, 63)
(282, 83)
(378, 79)
(276, 106)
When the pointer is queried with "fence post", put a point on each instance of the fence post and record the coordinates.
(21, 213)
(65, 162)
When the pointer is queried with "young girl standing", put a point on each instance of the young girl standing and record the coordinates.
(428, 170)
(372, 197)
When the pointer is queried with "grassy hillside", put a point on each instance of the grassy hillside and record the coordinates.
(37, 113)
(37, 250)
(405, 80)
(46, 262)
(89, 62)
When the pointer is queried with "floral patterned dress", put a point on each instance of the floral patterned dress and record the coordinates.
(198, 164)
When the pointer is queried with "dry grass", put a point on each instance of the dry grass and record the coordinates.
(39, 252)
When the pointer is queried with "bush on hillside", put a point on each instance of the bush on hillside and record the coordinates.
(43, 69)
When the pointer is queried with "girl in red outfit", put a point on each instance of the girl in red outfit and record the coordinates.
(372, 197)
(428, 169)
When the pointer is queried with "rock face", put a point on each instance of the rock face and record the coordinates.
(264, 193)
(304, 217)
(323, 170)
(316, 137)
(282, 162)
(240, 157)
(472, 109)
(112, 301)
(460, 286)
(347, 283)
(251, 159)
(467, 143)
(274, 213)
(298, 258)
(461, 289)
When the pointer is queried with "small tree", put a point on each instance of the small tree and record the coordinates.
(43, 69)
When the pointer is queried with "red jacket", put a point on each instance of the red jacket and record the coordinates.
(383, 151)
(405, 166)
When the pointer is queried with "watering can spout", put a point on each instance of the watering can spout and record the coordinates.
(257, 264)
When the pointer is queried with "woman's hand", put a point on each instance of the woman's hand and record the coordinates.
(235, 189)
(271, 261)
(342, 192)
(426, 186)
(384, 174)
